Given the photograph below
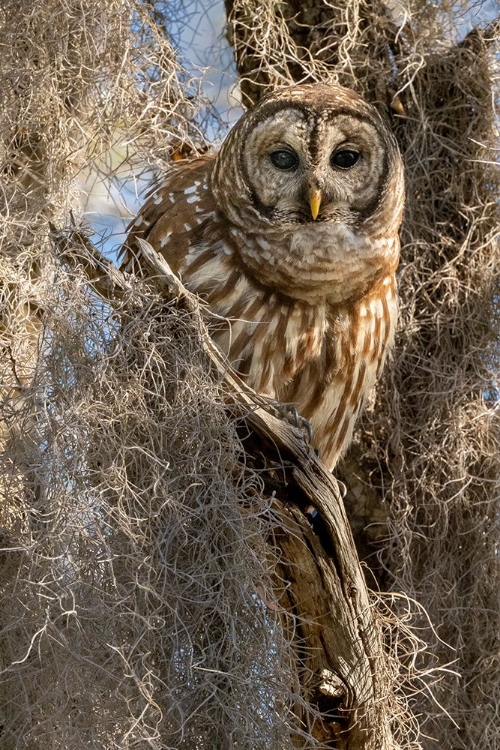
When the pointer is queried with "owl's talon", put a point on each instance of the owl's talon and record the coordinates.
(342, 488)
(289, 413)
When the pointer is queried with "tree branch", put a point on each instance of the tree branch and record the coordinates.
(340, 658)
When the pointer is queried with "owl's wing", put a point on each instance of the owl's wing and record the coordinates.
(172, 218)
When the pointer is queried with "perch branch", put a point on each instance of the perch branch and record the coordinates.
(342, 664)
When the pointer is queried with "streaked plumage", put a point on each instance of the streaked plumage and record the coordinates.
(310, 302)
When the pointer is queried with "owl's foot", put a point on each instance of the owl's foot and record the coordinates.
(292, 416)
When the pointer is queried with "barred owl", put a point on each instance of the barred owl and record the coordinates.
(290, 233)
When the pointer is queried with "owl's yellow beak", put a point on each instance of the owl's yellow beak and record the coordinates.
(315, 201)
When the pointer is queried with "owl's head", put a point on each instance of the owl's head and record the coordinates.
(310, 154)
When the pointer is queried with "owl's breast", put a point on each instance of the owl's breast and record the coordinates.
(331, 389)
(324, 359)
(326, 260)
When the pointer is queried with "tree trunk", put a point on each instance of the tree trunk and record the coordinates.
(422, 475)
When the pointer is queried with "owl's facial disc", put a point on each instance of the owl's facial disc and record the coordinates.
(302, 166)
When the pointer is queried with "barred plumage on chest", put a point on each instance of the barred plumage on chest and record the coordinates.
(323, 358)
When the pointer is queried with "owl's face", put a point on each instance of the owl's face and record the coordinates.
(302, 168)
(313, 153)
(310, 182)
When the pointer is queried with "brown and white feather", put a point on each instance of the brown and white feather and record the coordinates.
(311, 305)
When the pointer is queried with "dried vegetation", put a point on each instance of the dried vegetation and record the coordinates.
(423, 476)
(128, 571)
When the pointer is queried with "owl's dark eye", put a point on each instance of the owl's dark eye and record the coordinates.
(284, 159)
(345, 159)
